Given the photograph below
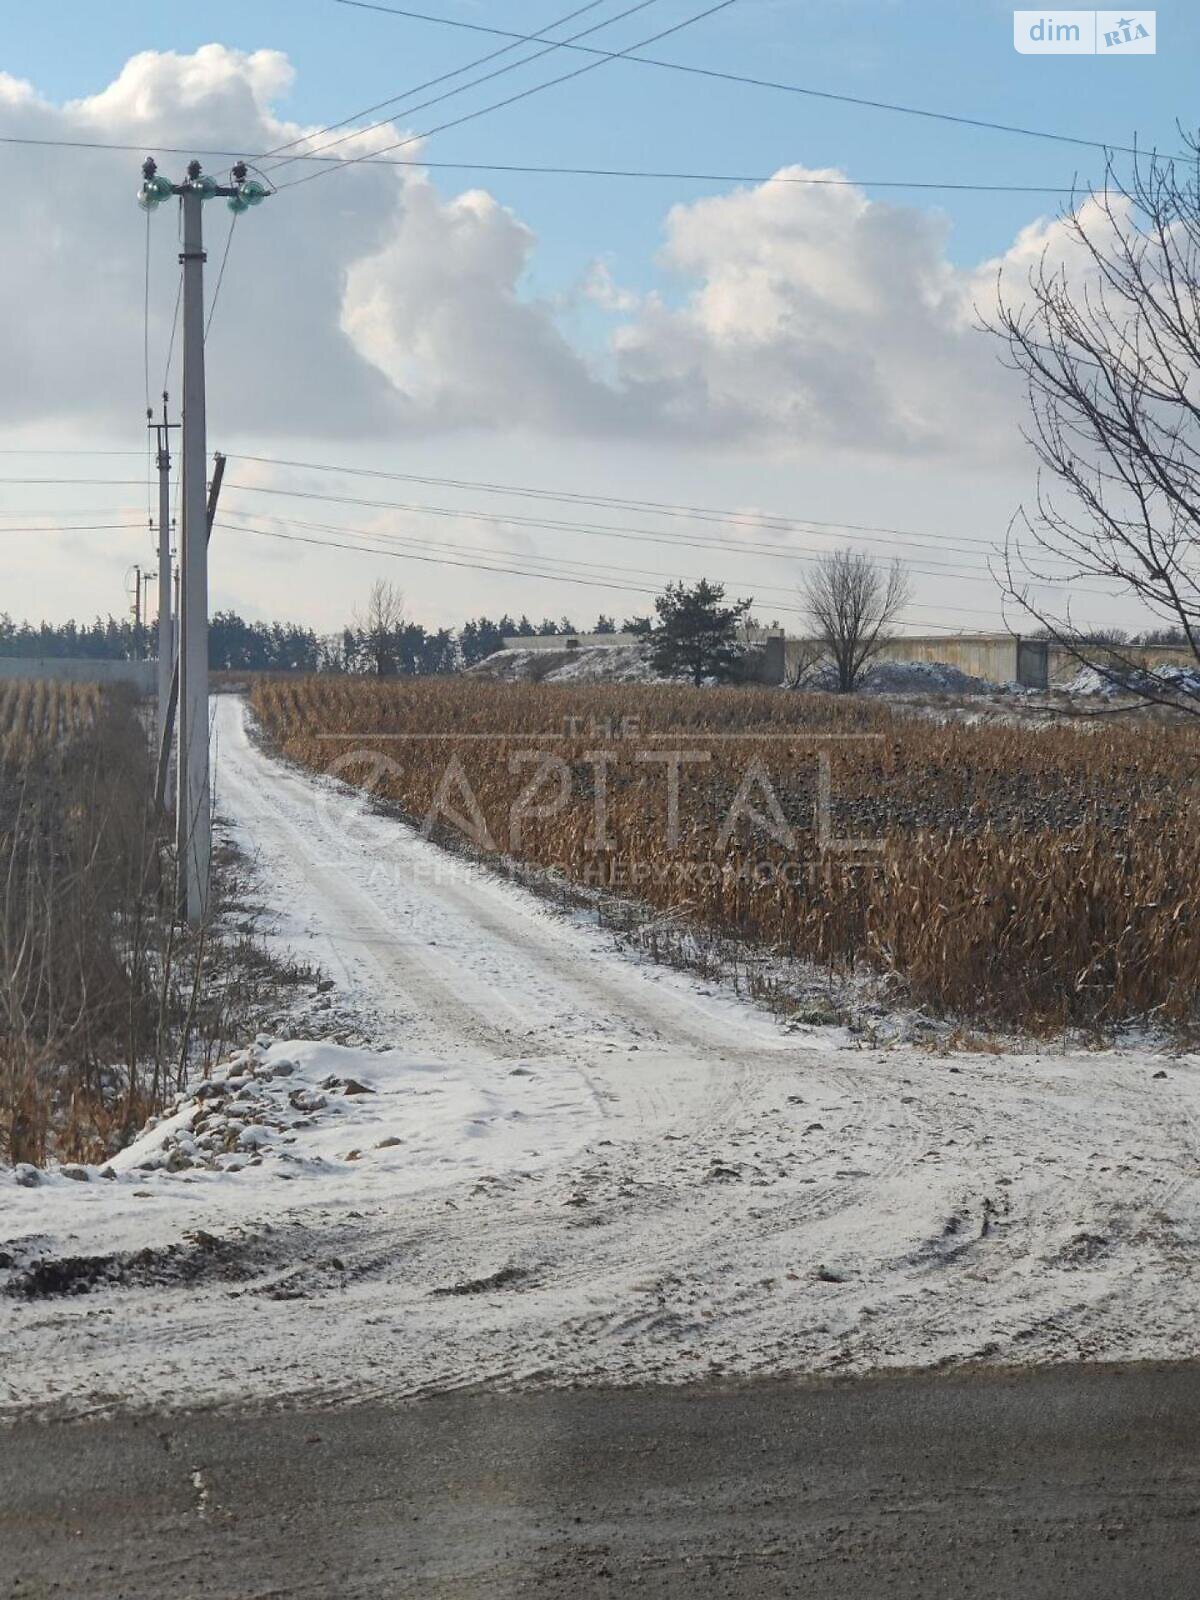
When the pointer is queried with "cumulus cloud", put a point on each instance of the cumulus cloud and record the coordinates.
(438, 310)
(804, 316)
(813, 315)
(793, 316)
(71, 323)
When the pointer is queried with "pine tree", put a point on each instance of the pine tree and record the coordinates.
(697, 633)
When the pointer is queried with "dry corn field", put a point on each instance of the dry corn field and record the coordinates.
(1017, 875)
(37, 715)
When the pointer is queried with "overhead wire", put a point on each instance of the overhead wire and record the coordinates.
(79, 527)
(509, 100)
(212, 308)
(586, 172)
(788, 553)
(816, 181)
(166, 383)
(422, 556)
(414, 542)
(462, 88)
(431, 83)
(557, 525)
(767, 83)
(768, 521)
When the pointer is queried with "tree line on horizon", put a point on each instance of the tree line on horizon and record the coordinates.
(237, 644)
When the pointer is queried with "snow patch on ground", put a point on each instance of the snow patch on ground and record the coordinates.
(605, 1172)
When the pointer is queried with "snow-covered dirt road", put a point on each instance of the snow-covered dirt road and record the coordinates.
(572, 1166)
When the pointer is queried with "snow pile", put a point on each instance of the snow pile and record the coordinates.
(251, 1109)
(1184, 681)
(296, 1109)
(905, 677)
(588, 664)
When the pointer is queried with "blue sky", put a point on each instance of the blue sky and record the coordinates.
(943, 54)
(951, 57)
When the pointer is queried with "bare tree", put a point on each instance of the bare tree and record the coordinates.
(384, 618)
(852, 602)
(1107, 337)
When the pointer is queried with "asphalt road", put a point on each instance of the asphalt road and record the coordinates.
(1080, 1482)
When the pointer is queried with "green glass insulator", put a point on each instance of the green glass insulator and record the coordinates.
(153, 192)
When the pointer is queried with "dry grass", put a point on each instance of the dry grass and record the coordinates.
(105, 1002)
(1036, 878)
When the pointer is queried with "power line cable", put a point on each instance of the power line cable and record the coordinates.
(512, 99)
(333, 544)
(497, 72)
(212, 309)
(431, 83)
(571, 172)
(591, 583)
(769, 83)
(768, 521)
(712, 177)
(577, 172)
(80, 527)
(69, 511)
(166, 383)
(552, 562)
(634, 535)
(788, 553)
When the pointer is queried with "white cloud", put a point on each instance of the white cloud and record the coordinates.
(439, 312)
(808, 317)
(71, 295)
(815, 316)
(801, 316)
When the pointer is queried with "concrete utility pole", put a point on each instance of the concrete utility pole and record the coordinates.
(194, 807)
(195, 810)
(164, 747)
(166, 637)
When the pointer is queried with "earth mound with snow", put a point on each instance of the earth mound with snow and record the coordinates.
(588, 664)
(906, 677)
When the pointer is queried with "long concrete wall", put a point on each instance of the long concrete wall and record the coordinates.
(71, 669)
(990, 656)
(995, 657)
